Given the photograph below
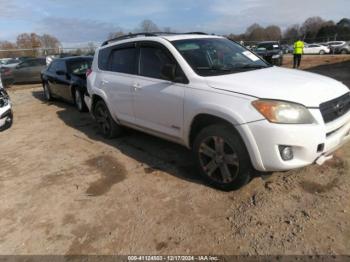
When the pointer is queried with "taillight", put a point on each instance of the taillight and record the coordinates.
(6, 71)
(88, 72)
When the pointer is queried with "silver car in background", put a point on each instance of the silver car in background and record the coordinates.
(27, 71)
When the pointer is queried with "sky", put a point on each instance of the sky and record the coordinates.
(75, 22)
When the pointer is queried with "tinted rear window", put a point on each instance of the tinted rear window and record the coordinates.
(79, 67)
(123, 61)
(103, 56)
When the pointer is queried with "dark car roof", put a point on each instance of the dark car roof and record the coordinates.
(33, 59)
(74, 58)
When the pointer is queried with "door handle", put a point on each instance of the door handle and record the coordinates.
(136, 86)
(104, 81)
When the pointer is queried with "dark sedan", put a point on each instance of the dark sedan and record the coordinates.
(271, 51)
(65, 78)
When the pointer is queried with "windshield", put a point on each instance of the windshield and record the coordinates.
(217, 56)
(79, 67)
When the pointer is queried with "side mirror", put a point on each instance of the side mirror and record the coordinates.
(169, 71)
(61, 72)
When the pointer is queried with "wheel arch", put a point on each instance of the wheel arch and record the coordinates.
(202, 120)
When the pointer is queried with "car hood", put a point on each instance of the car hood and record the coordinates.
(297, 86)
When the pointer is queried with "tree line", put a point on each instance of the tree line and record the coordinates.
(28, 44)
(313, 29)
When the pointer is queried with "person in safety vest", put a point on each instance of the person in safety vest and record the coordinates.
(298, 51)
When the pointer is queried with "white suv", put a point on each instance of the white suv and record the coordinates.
(236, 112)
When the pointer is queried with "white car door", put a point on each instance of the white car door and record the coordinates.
(117, 82)
(158, 102)
(313, 49)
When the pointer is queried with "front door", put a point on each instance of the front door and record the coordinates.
(158, 102)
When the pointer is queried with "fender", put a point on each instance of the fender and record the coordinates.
(102, 94)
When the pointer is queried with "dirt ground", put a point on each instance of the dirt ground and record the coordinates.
(65, 190)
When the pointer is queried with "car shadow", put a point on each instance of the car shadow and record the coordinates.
(155, 153)
(339, 71)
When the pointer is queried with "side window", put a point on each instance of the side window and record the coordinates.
(103, 56)
(152, 61)
(61, 66)
(123, 61)
(42, 62)
(24, 64)
(53, 66)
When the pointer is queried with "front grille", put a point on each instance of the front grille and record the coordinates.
(335, 108)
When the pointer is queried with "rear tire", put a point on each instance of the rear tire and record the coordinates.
(108, 127)
(222, 158)
(343, 52)
(79, 101)
(47, 92)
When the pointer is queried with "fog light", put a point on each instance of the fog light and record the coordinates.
(286, 152)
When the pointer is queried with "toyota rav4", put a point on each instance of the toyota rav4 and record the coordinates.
(236, 112)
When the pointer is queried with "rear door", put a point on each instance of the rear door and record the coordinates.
(117, 79)
(22, 72)
(51, 76)
(158, 102)
(63, 81)
(38, 66)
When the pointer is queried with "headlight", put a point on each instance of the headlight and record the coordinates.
(3, 101)
(283, 112)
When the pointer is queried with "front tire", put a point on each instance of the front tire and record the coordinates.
(108, 127)
(343, 52)
(322, 52)
(222, 158)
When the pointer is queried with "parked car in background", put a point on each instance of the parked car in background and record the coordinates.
(65, 78)
(235, 111)
(6, 71)
(27, 71)
(271, 51)
(3, 61)
(287, 49)
(338, 47)
(342, 49)
(316, 49)
(9, 62)
(6, 116)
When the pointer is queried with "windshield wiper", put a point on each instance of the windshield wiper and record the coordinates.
(214, 69)
(251, 67)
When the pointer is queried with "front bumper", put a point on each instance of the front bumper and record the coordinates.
(6, 117)
(7, 81)
(310, 143)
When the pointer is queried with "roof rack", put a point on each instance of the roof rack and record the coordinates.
(119, 38)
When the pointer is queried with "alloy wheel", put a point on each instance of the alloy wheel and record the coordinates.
(47, 91)
(78, 100)
(218, 159)
(103, 119)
